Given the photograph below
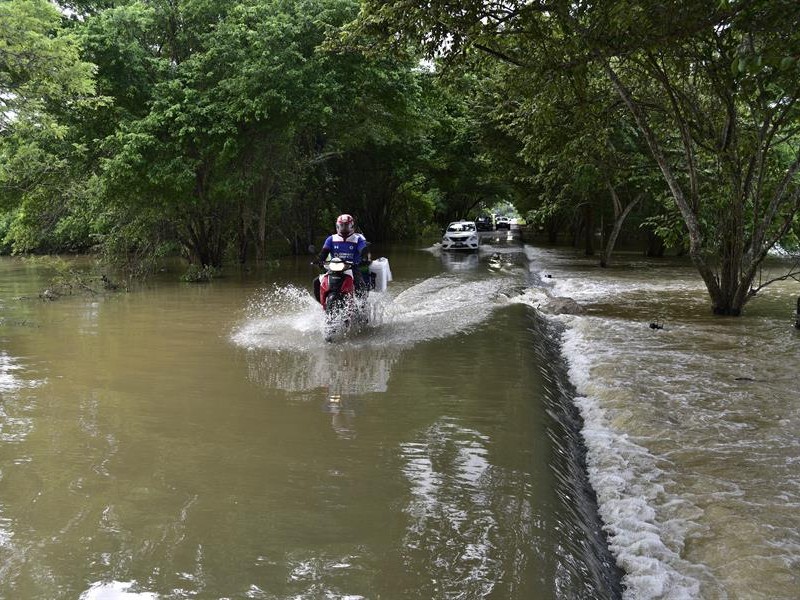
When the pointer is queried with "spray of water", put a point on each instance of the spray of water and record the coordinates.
(288, 318)
(283, 332)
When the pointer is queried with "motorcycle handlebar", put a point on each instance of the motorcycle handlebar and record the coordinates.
(323, 264)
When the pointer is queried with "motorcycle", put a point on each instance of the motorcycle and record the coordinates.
(345, 310)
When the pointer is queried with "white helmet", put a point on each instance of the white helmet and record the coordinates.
(345, 226)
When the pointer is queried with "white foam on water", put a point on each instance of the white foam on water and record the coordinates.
(626, 479)
(690, 431)
(624, 475)
(288, 318)
(627, 482)
(115, 590)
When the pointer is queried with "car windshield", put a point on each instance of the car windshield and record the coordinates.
(461, 227)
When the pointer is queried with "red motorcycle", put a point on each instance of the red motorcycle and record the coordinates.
(336, 292)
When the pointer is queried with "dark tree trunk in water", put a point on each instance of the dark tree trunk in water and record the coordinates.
(552, 231)
(797, 315)
(202, 235)
(243, 233)
(655, 246)
(620, 214)
(588, 229)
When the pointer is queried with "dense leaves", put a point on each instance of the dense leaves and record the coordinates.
(710, 88)
(237, 129)
(223, 130)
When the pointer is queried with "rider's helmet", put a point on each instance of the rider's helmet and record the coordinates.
(345, 225)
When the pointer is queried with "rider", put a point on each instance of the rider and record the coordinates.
(350, 247)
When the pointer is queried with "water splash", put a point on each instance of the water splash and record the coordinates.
(283, 332)
(288, 318)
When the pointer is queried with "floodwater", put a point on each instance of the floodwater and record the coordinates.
(202, 441)
(691, 429)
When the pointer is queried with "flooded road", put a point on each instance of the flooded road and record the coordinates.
(202, 441)
(691, 429)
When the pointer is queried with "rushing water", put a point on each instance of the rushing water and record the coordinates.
(692, 430)
(202, 441)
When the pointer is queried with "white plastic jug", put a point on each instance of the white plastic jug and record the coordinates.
(383, 274)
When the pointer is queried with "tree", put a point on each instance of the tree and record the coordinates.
(39, 63)
(711, 86)
(41, 77)
(252, 121)
(582, 152)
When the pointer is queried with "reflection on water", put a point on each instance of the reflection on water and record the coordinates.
(460, 261)
(342, 369)
(188, 441)
(452, 485)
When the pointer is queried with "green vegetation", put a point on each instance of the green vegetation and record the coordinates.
(236, 130)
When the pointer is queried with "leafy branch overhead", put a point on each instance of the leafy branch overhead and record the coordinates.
(40, 63)
(711, 88)
(236, 130)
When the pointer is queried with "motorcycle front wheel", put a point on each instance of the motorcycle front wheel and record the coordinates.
(337, 318)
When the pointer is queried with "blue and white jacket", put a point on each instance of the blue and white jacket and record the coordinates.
(349, 249)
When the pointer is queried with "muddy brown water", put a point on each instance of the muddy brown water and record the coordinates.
(202, 441)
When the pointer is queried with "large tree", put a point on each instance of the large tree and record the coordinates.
(41, 78)
(39, 63)
(241, 131)
(712, 87)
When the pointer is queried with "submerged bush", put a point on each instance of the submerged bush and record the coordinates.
(198, 274)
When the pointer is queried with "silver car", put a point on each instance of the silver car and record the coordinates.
(461, 235)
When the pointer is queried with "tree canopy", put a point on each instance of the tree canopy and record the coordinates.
(710, 87)
(237, 129)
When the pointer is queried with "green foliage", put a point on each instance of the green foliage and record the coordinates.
(39, 64)
(200, 274)
(709, 87)
(254, 124)
(239, 129)
(42, 179)
(230, 130)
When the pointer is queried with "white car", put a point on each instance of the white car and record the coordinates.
(503, 223)
(461, 235)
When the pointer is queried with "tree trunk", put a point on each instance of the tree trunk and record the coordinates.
(264, 191)
(721, 299)
(620, 214)
(588, 224)
(655, 245)
(243, 232)
(552, 230)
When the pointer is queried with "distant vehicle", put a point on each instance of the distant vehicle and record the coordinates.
(503, 223)
(484, 223)
(461, 235)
